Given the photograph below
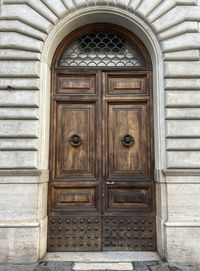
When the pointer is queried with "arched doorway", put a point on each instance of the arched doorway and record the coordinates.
(101, 189)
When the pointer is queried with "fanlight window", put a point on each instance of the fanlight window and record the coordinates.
(102, 49)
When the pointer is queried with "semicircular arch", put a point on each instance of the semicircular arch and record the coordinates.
(144, 32)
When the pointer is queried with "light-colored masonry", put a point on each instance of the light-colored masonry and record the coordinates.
(30, 32)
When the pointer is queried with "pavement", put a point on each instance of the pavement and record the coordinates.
(96, 266)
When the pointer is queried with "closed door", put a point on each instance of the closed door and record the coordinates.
(101, 189)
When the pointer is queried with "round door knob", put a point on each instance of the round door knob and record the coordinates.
(127, 140)
(75, 140)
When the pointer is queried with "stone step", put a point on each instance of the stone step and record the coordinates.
(102, 266)
(103, 256)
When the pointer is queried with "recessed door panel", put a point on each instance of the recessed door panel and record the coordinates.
(76, 152)
(70, 198)
(126, 84)
(122, 196)
(129, 198)
(78, 84)
(127, 122)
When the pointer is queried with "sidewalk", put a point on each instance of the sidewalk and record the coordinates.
(114, 266)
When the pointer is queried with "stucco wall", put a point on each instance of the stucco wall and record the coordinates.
(30, 33)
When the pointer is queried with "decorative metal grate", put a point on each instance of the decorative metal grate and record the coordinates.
(102, 49)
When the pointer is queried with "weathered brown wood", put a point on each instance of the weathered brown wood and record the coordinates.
(76, 119)
(125, 119)
(125, 84)
(101, 191)
(76, 84)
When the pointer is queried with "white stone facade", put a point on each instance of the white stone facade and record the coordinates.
(31, 30)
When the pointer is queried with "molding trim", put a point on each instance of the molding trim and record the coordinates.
(183, 224)
(14, 224)
(24, 176)
(21, 172)
(181, 172)
(177, 176)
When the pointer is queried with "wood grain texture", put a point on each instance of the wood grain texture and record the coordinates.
(77, 84)
(127, 84)
(76, 119)
(127, 119)
(70, 198)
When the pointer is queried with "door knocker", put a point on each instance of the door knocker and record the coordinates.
(75, 140)
(127, 140)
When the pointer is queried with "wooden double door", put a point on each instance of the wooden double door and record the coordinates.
(101, 189)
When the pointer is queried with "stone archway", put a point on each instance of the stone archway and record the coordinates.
(137, 26)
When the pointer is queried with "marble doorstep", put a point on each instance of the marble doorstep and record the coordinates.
(102, 256)
(103, 266)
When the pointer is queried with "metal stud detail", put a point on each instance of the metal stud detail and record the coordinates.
(74, 233)
(84, 233)
(129, 233)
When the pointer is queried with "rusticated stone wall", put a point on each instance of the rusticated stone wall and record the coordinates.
(25, 27)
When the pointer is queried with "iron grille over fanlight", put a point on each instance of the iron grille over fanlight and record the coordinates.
(101, 48)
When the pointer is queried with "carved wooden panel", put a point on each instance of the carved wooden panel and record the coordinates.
(127, 84)
(75, 84)
(129, 197)
(76, 119)
(74, 198)
(128, 119)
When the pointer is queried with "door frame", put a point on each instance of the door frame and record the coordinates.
(61, 70)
